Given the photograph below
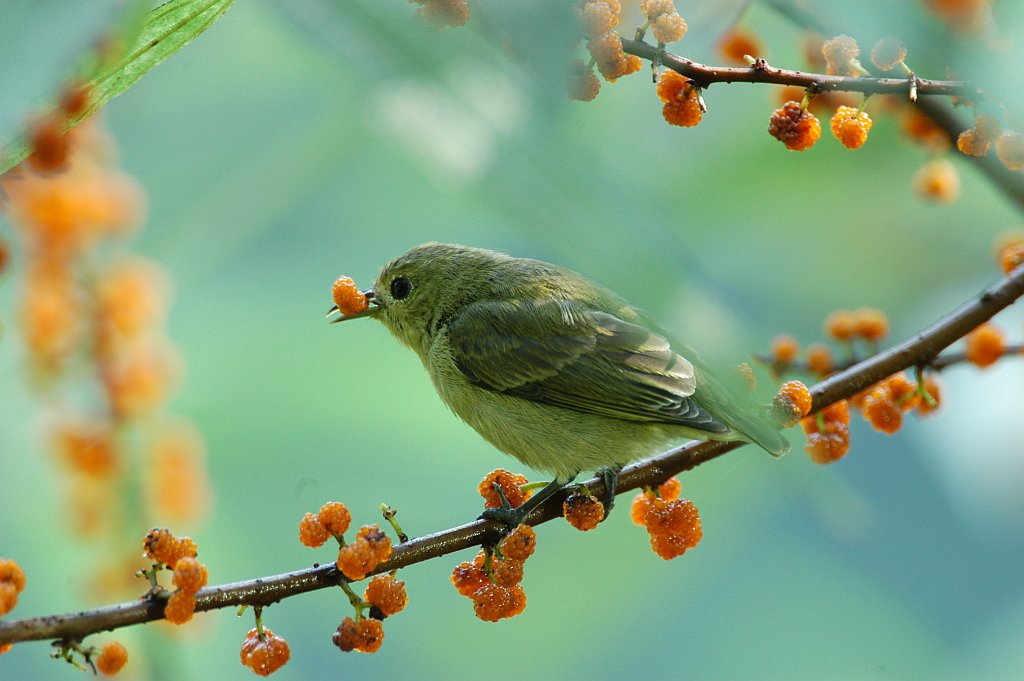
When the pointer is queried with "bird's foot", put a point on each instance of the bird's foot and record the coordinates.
(610, 477)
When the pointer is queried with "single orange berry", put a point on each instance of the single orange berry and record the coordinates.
(871, 324)
(841, 325)
(819, 359)
(1011, 256)
(264, 654)
(670, 489)
(312, 532)
(784, 348)
(903, 390)
(791, 403)
(937, 180)
(606, 50)
(671, 85)
(583, 84)
(668, 28)
(583, 511)
(468, 577)
(985, 345)
(830, 446)
(386, 594)
(677, 517)
(8, 598)
(639, 507)
(493, 602)
(599, 18)
(841, 55)
(794, 126)
(347, 296)
(507, 572)
(371, 635)
(11, 573)
(987, 126)
(1010, 149)
(346, 637)
(520, 543)
(850, 126)
(881, 411)
(887, 53)
(180, 607)
(335, 517)
(184, 547)
(159, 545)
(510, 484)
(112, 658)
(684, 113)
(738, 42)
(189, 575)
(971, 143)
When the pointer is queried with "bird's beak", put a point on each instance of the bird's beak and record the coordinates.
(371, 308)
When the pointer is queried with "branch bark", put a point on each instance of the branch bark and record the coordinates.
(921, 349)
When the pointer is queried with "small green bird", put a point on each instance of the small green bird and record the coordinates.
(551, 368)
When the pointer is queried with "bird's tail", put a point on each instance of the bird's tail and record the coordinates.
(746, 419)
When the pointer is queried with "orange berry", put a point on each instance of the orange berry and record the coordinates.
(1011, 256)
(937, 180)
(638, 509)
(312, 532)
(189, 575)
(468, 577)
(88, 448)
(11, 573)
(131, 295)
(668, 28)
(141, 378)
(795, 127)
(791, 403)
(370, 633)
(176, 484)
(265, 654)
(987, 127)
(520, 543)
(508, 572)
(819, 359)
(784, 348)
(583, 84)
(922, 129)
(49, 144)
(370, 548)
(985, 345)
(670, 489)
(903, 390)
(670, 85)
(583, 511)
(606, 51)
(112, 658)
(670, 546)
(841, 325)
(346, 637)
(386, 594)
(8, 598)
(599, 17)
(493, 602)
(830, 446)
(180, 607)
(159, 545)
(871, 324)
(678, 517)
(931, 386)
(652, 9)
(881, 411)
(684, 112)
(1010, 149)
(184, 547)
(850, 126)
(633, 64)
(510, 483)
(347, 296)
(971, 143)
(737, 42)
(335, 517)
(887, 53)
(840, 55)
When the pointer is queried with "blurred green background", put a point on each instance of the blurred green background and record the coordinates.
(302, 139)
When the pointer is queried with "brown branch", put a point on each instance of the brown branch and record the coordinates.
(762, 72)
(920, 349)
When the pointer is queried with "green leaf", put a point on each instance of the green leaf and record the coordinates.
(163, 31)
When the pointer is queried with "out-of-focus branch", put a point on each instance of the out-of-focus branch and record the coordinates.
(920, 349)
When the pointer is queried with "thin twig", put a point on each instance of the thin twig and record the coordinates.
(920, 349)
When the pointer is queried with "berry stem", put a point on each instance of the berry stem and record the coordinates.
(389, 515)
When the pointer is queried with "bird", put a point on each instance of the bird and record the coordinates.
(552, 368)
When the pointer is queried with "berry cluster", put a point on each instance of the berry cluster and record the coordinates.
(263, 651)
(365, 635)
(673, 523)
(791, 403)
(370, 548)
(12, 583)
(828, 433)
(347, 296)
(178, 554)
(682, 100)
(795, 126)
(583, 510)
(492, 579)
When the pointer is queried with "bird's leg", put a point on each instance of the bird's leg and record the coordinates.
(610, 476)
(511, 517)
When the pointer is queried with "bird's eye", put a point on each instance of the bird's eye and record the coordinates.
(400, 288)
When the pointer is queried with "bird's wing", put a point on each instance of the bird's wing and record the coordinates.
(561, 353)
